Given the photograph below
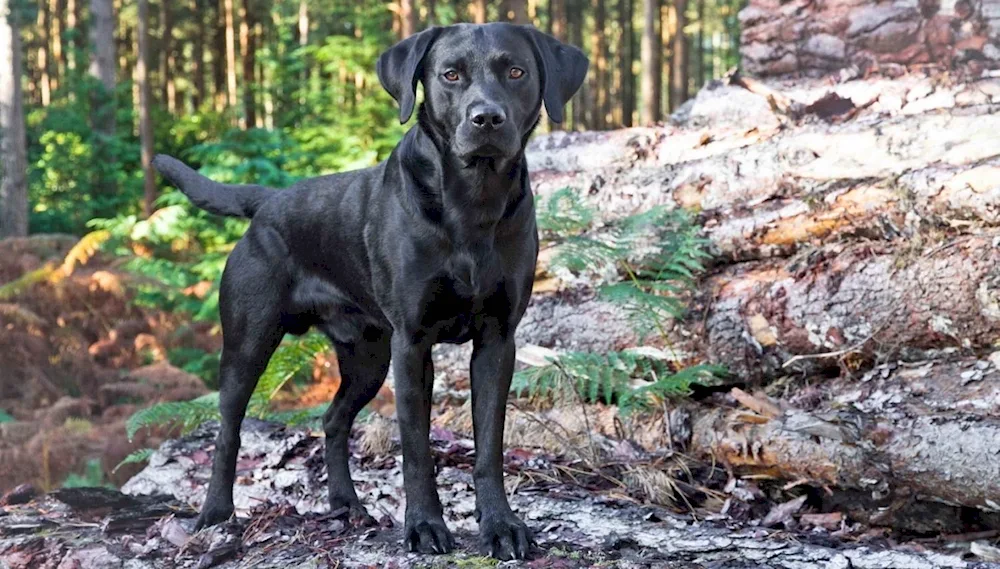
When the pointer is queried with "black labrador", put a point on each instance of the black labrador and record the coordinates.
(436, 244)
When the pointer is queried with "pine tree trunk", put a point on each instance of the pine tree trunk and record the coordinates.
(230, 53)
(461, 10)
(248, 50)
(407, 18)
(103, 65)
(73, 22)
(478, 9)
(557, 19)
(198, 55)
(625, 57)
(431, 15)
(58, 27)
(145, 126)
(167, 61)
(13, 162)
(700, 51)
(650, 63)
(514, 11)
(574, 24)
(42, 61)
(679, 73)
(303, 30)
(599, 45)
(668, 24)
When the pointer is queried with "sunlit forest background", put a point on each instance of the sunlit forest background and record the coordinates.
(123, 272)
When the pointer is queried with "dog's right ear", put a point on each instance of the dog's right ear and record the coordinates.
(401, 66)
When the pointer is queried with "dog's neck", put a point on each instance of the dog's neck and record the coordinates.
(466, 201)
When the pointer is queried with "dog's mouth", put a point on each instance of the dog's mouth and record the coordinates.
(487, 151)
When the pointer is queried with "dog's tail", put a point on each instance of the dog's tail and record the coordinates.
(222, 199)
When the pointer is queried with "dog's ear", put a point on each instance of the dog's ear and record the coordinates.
(400, 67)
(564, 68)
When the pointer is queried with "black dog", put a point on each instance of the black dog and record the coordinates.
(436, 244)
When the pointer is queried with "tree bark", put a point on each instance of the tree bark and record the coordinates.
(248, 49)
(167, 61)
(303, 31)
(42, 58)
(230, 53)
(478, 9)
(599, 85)
(679, 65)
(219, 73)
(57, 28)
(408, 18)
(626, 51)
(13, 161)
(514, 11)
(73, 22)
(580, 101)
(103, 62)
(907, 431)
(431, 13)
(198, 54)
(650, 63)
(145, 126)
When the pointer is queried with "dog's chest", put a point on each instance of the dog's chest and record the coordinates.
(461, 290)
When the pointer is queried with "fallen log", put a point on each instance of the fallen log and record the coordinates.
(912, 156)
(905, 432)
(816, 310)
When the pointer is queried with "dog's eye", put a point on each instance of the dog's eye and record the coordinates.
(516, 73)
(451, 75)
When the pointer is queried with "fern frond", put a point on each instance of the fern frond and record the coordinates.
(288, 360)
(84, 250)
(182, 415)
(563, 213)
(137, 457)
(26, 281)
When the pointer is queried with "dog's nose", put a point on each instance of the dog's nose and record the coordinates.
(487, 116)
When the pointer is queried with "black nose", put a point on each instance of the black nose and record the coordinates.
(487, 116)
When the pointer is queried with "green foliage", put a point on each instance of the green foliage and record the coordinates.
(5, 417)
(292, 359)
(631, 380)
(138, 457)
(656, 253)
(92, 476)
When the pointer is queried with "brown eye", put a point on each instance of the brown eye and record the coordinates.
(516, 73)
(451, 75)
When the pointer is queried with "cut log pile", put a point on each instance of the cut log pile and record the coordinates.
(856, 278)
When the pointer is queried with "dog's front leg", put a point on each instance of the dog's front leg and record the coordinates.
(424, 528)
(501, 532)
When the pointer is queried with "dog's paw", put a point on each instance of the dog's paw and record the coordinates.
(427, 535)
(355, 515)
(211, 515)
(504, 536)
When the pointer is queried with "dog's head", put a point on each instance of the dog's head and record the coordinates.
(484, 85)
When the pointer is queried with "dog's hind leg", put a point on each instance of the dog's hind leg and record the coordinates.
(363, 364)
(250, 307)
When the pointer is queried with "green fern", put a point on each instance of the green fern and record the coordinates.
(563, 213)
(137, 457)
(609, 378)
(290, 359)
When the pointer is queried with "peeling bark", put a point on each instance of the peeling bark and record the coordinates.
(926, 431)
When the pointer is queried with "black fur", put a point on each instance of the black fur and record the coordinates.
(436, 244)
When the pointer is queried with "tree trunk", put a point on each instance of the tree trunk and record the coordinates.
(557, 19)
(625, 56)
(907, 431)
(74, 22)
(14, 171)
(679, 65)
(230, 54)
(478, 8)
(580, 101)
(145, 126)
(431, 13)
(303, 30)
(650, 63)
(408, 13)
(42, 58)
(514, 11)
(700, 51)
(198, 54)
(57, 12)
(167, 60)
(599, 48)
(103, 62)
(461, 9)
(219, 73)
(248, 50)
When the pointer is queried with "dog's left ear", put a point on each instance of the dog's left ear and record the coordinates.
(564, 68)
(400, 67)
